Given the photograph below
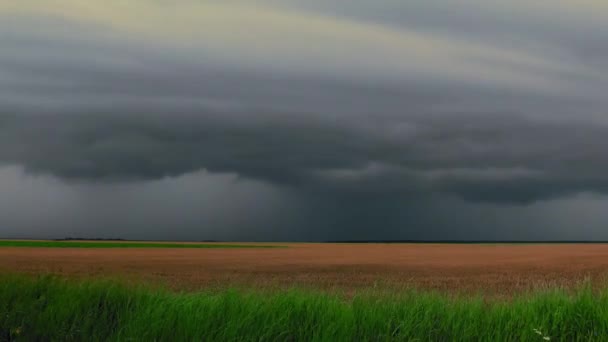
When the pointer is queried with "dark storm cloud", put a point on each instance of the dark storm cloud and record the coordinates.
(336, 117)
(195, 206)
(476, 157)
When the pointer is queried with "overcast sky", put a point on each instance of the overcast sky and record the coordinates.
(304, 120)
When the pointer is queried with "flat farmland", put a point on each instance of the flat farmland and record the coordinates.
(455, 268)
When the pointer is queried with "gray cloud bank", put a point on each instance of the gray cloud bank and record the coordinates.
(363, 125)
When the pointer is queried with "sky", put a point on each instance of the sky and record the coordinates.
(304, 120)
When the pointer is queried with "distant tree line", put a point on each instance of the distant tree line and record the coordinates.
(88, 239)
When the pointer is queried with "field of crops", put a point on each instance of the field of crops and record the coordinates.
(53, 309)
(322, 292)
(492, 269)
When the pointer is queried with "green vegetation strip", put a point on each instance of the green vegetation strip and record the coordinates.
(48, 308)
(95, 244)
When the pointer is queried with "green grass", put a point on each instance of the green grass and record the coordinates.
(48, 308)
(98, 244)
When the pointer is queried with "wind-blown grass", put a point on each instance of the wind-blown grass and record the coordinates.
(49, 308)
(98, 244)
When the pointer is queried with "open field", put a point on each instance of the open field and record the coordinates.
(53, 309)
(306, 292)
(492, 269)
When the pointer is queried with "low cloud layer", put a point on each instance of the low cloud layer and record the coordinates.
(317, 121)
